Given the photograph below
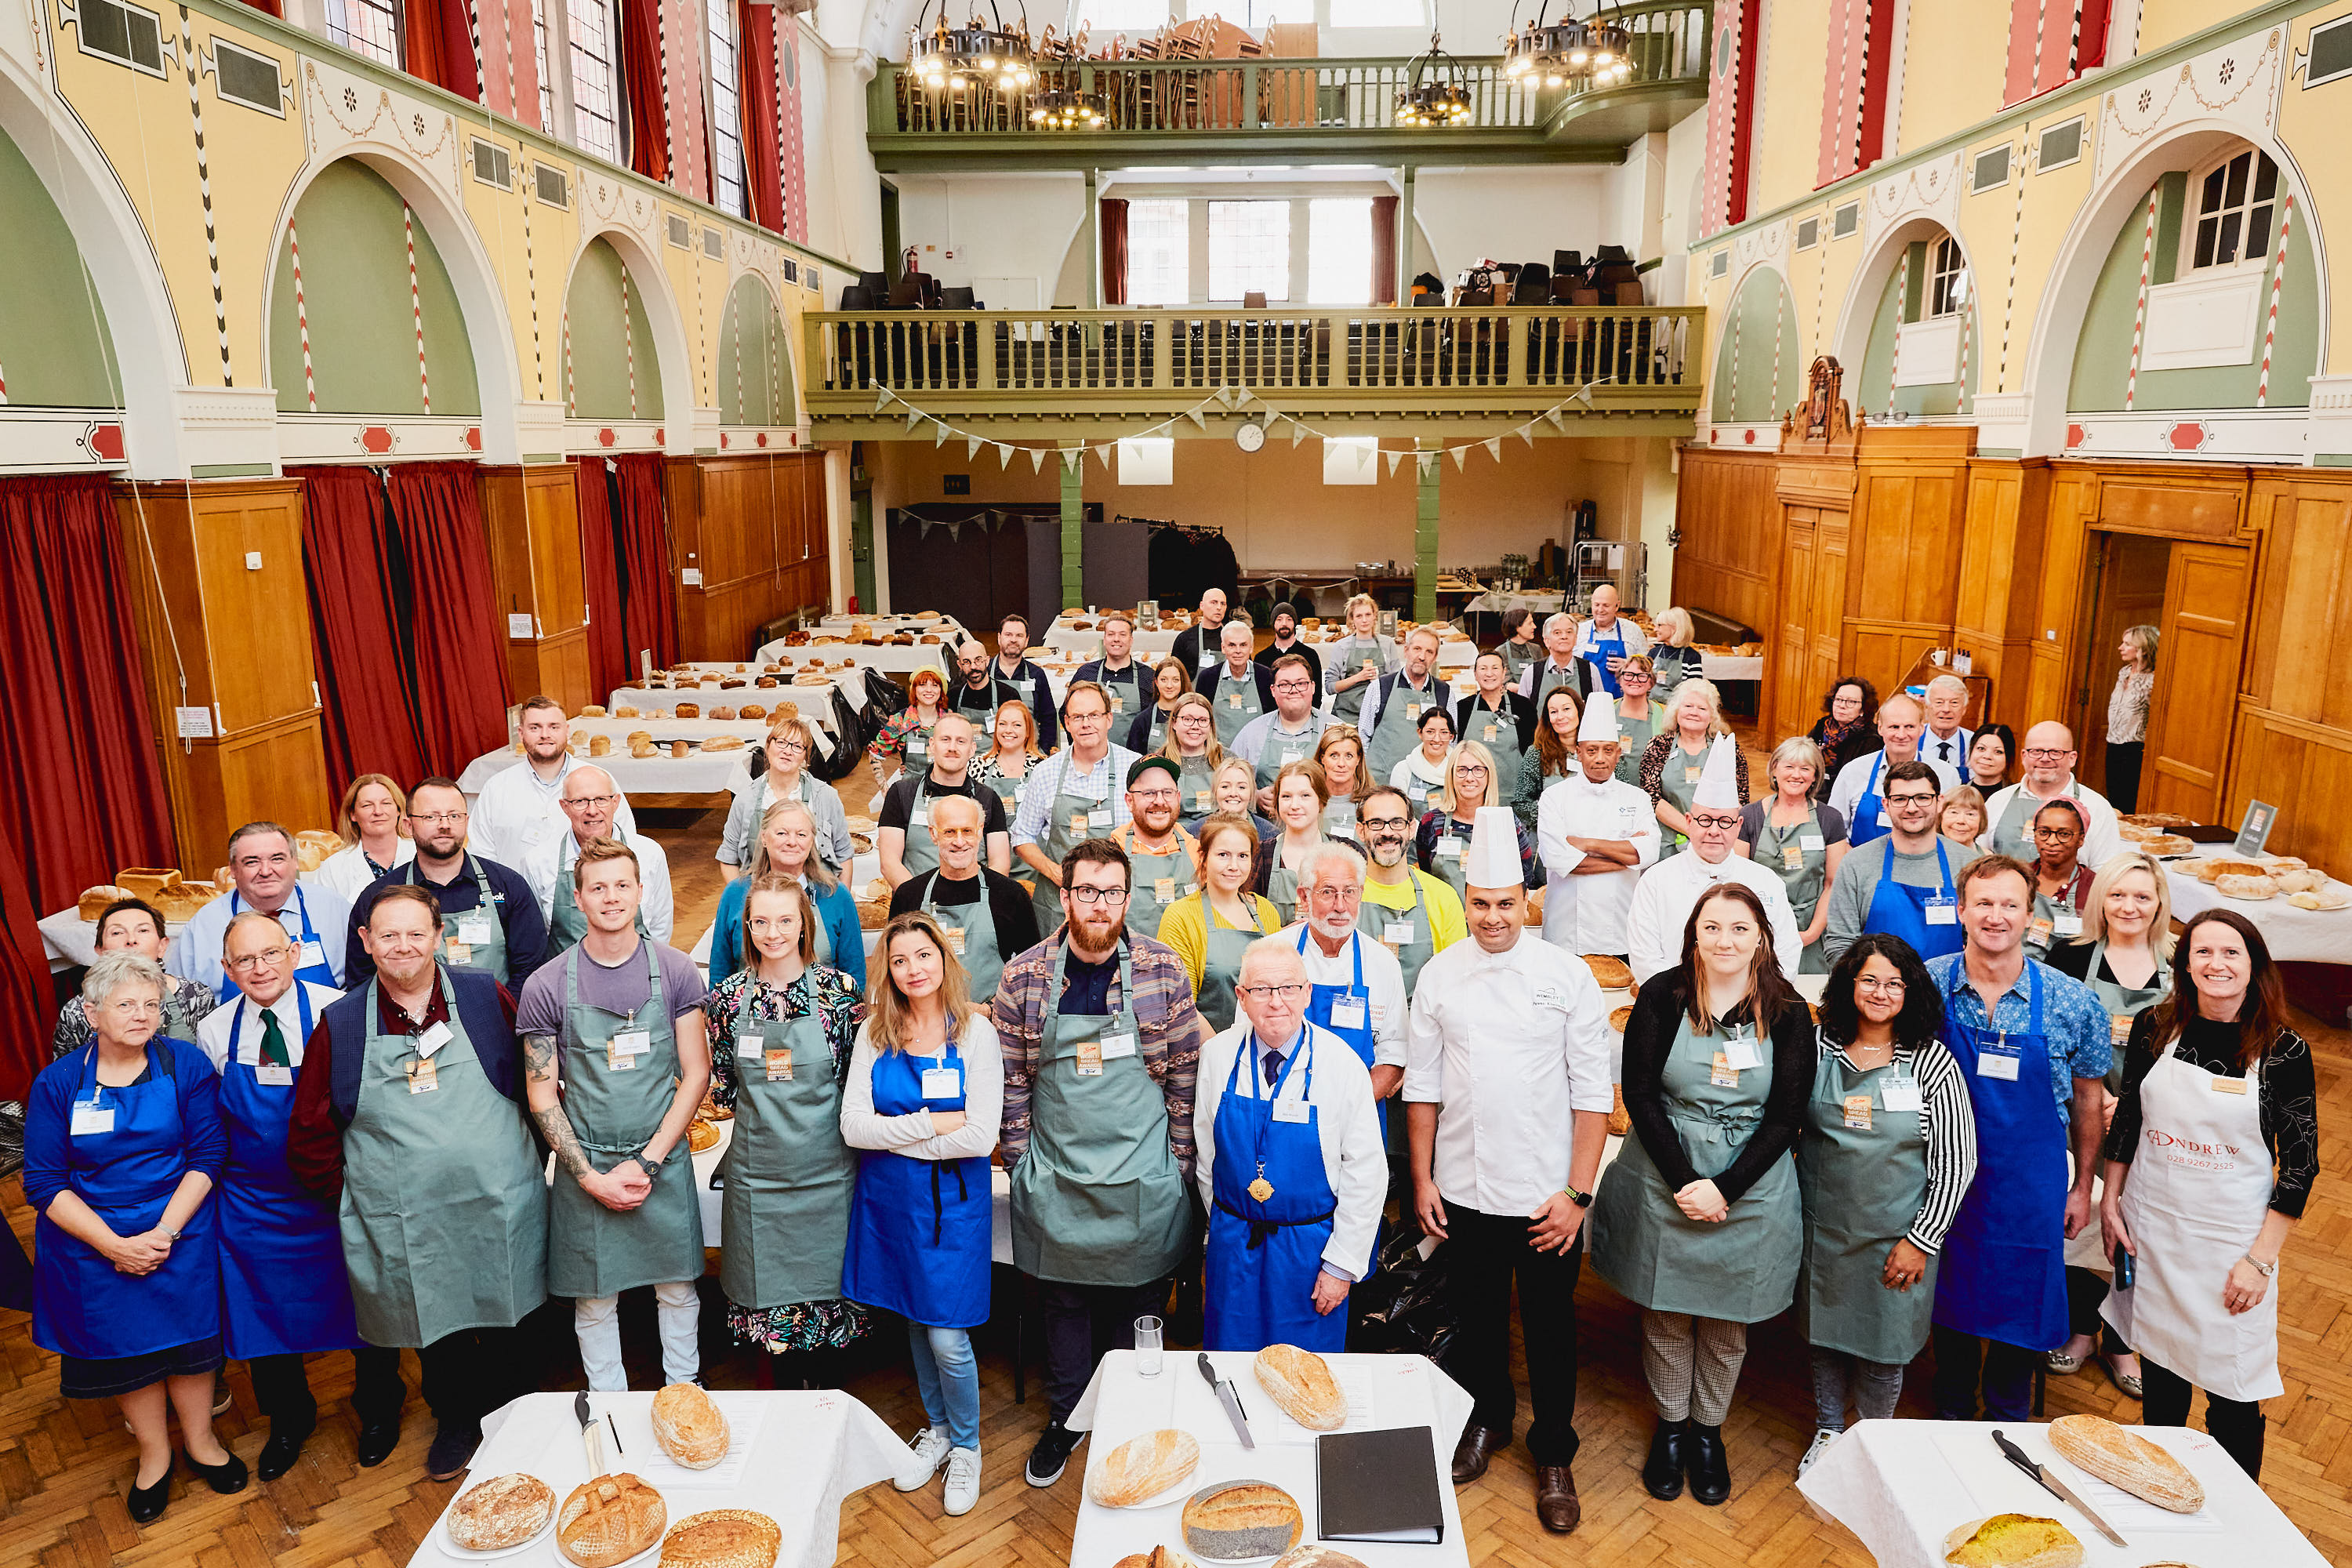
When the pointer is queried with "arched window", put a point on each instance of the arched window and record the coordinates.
(2233, 207)
(1947, 279)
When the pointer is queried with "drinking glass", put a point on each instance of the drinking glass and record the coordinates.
(1147, 1346)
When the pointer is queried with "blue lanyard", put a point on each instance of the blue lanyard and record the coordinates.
(302, 1007)
(1355, 951)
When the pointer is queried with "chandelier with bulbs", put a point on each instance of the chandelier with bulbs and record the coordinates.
(1434, 93)
(1567, 53)
(977, 56)
(1066, 108)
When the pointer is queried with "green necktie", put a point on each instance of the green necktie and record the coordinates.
(273, 1041)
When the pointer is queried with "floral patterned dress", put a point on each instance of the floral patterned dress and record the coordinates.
(743, 999)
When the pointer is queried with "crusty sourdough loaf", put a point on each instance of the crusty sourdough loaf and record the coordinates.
(1234, 1520)
(1143, 1467)
(722, 1538)
(504, 1510)
(93, 901)
(1301, 1383)
(2012, 1541)
(1312, 1555)
(1609, 974)
(2250, 890)
(608, 1520)
(689, 1427)
(1158, 1557)
(2122, 1457)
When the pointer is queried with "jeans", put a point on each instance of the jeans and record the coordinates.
(1877, 1388)
(678, 1315)
(2235, 1424)
(1485, 1250)
(1963, 1361)
(947, 1374)
(282, 1388)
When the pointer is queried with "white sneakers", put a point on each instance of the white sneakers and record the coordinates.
(931, 1451)
(930, 1446)
(1820, 1444)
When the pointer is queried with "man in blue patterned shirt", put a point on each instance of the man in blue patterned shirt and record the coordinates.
(2034, 1046)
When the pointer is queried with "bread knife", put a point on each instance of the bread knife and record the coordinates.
(1227, 1397)
(2052, 1485)
(590, 1437)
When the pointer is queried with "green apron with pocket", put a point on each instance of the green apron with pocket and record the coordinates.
(1863, 1168)
(784, 1220)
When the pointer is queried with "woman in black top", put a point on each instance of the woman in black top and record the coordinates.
(1992, 754)
(2213, 1071)
(1847, 728)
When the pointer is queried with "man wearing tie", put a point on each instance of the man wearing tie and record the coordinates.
(1946, 742)
(262, 863)
(1859, 793)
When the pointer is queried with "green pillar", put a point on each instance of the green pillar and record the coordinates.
(1424, 530)
(1404, 239)
(1074, 514)
(1093, 246)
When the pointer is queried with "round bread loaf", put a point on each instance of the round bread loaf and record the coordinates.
(1316, 1556)
(689, 1427)
(690, 711)
(1234, 1520)
(600, 745)
(609, 1520)
(2167, 844)
(722, 1538)
(2249, 889)
(2012, 1541)
(504, 1510)
(94, 900)
(1158, 1557)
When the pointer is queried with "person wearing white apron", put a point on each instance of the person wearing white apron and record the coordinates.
(2209, 1164)
(983, 917)
(1595, 834)
(1238, 685)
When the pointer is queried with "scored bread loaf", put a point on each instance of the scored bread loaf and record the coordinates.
(1312, 1555)
(1300, 1382)
(609, 1520)
(2122, 1457)
(591, 710)
(2252, 889)
(1158, 1557)
(1609, 974)
(93, 901)
(624, 711)
(1234, 1520)
(689, 1426)
(505, 1511)
(753, 710)
(641, 746)
(724, 715)
(2221, 866)
(1144, 1467)
(2012, 1541)
(722, 1538)
(723, 743)
(2167, 844)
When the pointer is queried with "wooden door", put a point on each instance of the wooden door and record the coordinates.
(2206, 594)
(1805, 658)
(2133, 573)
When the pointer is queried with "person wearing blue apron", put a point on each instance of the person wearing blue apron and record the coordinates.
(1869, 819)
(264, 866)
(1289, 1166)
(123, 1145)
(2000, 1289)
(284, 1290)
(1598, 645)
(922, 1104)
(1871, 882)
(310, 964)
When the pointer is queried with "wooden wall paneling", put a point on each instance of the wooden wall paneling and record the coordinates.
(1728, 557)
(1909, 515)
(2050, 687)
(1812, 497)
(682, 490)
(2302, 637)
(757, 538)
(2176, 500)
(2207, 597)
(2305, 770)
(533, 515)
(1999, 588)
(239, 638)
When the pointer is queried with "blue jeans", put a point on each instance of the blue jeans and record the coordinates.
(947, 1376)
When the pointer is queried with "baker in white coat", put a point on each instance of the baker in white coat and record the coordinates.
(1671, 889)
(520, 808)
(1594, 833)
(1289, 1162)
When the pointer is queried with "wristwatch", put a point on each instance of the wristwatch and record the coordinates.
(1581, 1200)
(2267, 1270)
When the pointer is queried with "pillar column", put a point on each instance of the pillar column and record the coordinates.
(1094, 245)
(1073, 517)
(1424, 528)
(1404, 239)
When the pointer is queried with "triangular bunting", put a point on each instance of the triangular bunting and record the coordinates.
(1461, 455)
(914, 417)
(881, 398)
(972, 446)
(1557, 422)
(1242, 396)
(1036, 459)
(1108, 452)
(939, 434)
(1197, 417)
(1072, 457)
(1527, 433)
(1425, 463)
(1298, 433)
(1225, 395)
(1494, 445)
(1005, 450)
(1394, 458)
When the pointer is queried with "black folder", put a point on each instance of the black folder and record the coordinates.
(1378, 1485)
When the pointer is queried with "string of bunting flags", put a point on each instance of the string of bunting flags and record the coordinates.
(1224, 397)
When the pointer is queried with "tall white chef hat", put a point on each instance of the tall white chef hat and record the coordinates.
(1494, 857)
(1719, 783)
(1599, 720)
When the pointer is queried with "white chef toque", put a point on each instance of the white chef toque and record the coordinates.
(1494, 857)
(1719, 784)
(1599, 720)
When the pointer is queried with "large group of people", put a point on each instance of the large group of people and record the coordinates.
(1166, 952)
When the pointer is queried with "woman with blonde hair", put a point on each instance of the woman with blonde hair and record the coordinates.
(791, 741)
(1148, 732)
(1640, 715)
(924, 1097)
(2127, 716)
(1209, 933)
(1797, 841)
(1672, 661)
(1011, 747)
(1300, 795)
(1670, 767)
(1236, 795)
(1340, 754)
(1358, 660)
(1192, 746)
(1441, 839)
(906, 736)
(787, 847)
(374, 821)
(1962, 817)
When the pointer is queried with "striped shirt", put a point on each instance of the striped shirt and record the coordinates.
(1105, 782)
(1947, 1120)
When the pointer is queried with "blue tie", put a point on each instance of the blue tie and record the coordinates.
(1273, 1066)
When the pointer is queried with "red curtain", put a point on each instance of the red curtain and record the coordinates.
(650, 616)
(270, 7)
(438, 46)
(1111, 219)
(1384, 250)
(460, 643)
(608, 653)
(648, 104)
(28, 1003)
(762, 169)
(368, 707)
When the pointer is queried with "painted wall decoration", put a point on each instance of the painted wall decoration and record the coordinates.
(754, 367)
(1923, 359)
(608, 343)
(789, 113)
(1759, 359)
(54, 347)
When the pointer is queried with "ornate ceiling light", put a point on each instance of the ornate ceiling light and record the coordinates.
(1066, 108)
(1569, 53)
(1443, 98)
(976, 57)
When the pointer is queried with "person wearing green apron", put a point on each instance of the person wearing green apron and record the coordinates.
(1146, 731)
(781, 1031)
(1442, 838)
(133, 925)
(1340, 754)
(1125, 681)
(1558, 669)
(791, 743)
(1639, 716)
(1799, 842)
(1211, 929)
(1671, 767)
(490, 920)
(1102, 1045)
(1698, 1222)
(1393, 708)
(430, 1163)
(2047, 753)
(1357, 661)
(1193, 746)
(2061, 881)
(1889, 1146)
(1299, 797)
(984, 917)
(1494, 716)
(1004, 763)
(1404, 908)
(1290, 733)
(1078, 793)
(1551, 754)
(980, 690)
(906, 736)
(1520, 645)
(588, 800)
(1164, 858)
(617, 1021)
(902, 835)
(1238, 685)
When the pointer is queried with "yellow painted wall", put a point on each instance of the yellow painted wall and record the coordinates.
(2163, 22)
(1789, 104)
(1953, 62)
(2318, 117)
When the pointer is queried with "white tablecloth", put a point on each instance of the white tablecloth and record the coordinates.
(696, 772)
(999, 1208)
(947, 628)
(2307, 936)
(1722, 667)
(71, 942)
(1149, 646)
(1902, 1486)
(1120, 1403)
(810, 1452)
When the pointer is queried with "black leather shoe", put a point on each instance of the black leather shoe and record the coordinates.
(377, 1441)
(228, 1479)
(1478, 1444)
(1662, 1472)
(1708, 1466)
(453, 1450)
(147, 1503)
(278, 1455)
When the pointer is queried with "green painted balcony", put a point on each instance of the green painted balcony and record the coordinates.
(1217, 112)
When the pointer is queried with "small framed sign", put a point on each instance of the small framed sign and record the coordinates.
(2254, 829)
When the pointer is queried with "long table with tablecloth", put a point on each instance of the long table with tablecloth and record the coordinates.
(2292, 934)
(696, 772)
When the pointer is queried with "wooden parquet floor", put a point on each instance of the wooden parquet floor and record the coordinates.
(66, 1467)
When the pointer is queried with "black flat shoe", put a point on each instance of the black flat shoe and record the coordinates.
(452, 1450)
(147, 1503)
(1662, 1473)
(1708, 1466)
(377, 1441)
(278, 1455)
(228, 1479)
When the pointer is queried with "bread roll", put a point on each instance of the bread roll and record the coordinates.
(2122, 1457)
(1237, 1520)
(1314, 1556)
(505, 1511)
(641, 746)
(690, 711)
(689, 1425)
(1300, 1382)
(765, 682)
(93, 901)
(591, 710)
(1144, 1467)
(600, 745)
(679, 748)
(1609, 974)
(2321, 898)
(724, 715)
(2012, 1541)
(1620, 1017)
(2301, 880)
(313, 846)
(722, 1538)
(753, 710)
(609, 1520)
(2252, 889)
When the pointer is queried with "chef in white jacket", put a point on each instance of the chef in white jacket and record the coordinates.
(1671, 889)
(1289, 1157)
(521, 808)
(1594, 833)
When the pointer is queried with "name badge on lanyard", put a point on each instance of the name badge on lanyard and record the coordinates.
(1348, 1013)
(91, 1116)
(312, 954)
(2066, 923)
(1100, 816)
(273, 1075)
(1743, 1051)
(1449, 848)
(1117, 1046)
(920, 817)
(433, 1039)
(1290, 1111)
(1944, 909)
(474, 926)
(1999, 1060)
(1899, 1093)
(942, 1083)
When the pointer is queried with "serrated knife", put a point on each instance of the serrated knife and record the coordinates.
(1229, 1399)
(2052, 1485)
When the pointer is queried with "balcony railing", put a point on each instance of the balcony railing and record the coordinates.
(1476, 360)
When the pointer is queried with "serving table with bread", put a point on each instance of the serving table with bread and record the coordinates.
(2303, 914)
(696, 754)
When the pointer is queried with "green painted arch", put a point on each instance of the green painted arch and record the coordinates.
(1761, 327)
(1906, 290)
(56, 351)
(755, 371)
(353, 232)
(611, 368)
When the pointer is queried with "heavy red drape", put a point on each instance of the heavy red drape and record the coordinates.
(27, 998)
(460, 643)
(368, 704)
(1384, 244)
(270, 7)
(648, 104)
(763, 167)
(438, 46)
(650, 616)
(608, 653)
(1111, 219)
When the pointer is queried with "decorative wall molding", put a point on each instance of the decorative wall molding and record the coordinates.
(343, 113)
(2331, 416)
(2001, 419)
(2207, 318)
(539, 427)
(227, 424)
(2207, 435)
(2236, 83)
(706, 431)
(52, 439)
(1923, 191)
(376, 437)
